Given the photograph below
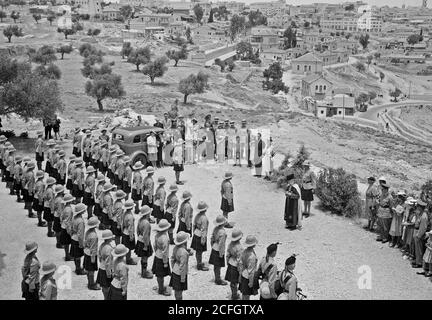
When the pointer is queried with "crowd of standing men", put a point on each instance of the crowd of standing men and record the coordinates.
(403, 222)
(100, 182)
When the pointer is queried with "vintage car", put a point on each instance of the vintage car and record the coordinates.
(133, 141)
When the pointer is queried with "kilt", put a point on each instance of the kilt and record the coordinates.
(25, 194)
(26, 294)
(88, 265)
(47, 215)
(97, 210)
(61, 180)
(65, 237)
(136, 196)
(128, 243)
(1, 164)
(170, 218)
(102, 278)
(125, 187)
(57, 224)
(105, 219)
(307, 195)
(245, 289)
(176, 284)
(36, 206)
(76, 192)
(115, 294)
(39, 157)
(7, 176)
(86, 158)
(178, 167)
(115, 230)
(157, 212)
(216, 260)
(117, 181)
(182, 227)
(232, 274)
(226, 207)
(141, 252)
(110, 175)
(88, 199)
(196, 244)
(77, 152)
(48, 168)
(17, 186)
(54, 173)
(75, 250)
(69, 184)
(145, 201)
(158, 268)
(102, 167)
(30, 199)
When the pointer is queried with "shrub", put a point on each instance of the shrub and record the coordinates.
(426, 194)
(279, 175)
(338, 192)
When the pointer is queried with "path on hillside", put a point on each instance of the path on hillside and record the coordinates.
(331, 248)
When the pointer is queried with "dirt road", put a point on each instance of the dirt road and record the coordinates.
(332, 249)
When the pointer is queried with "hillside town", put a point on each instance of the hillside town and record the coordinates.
(159, 142)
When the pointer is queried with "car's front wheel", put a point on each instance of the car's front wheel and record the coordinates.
(140, 157)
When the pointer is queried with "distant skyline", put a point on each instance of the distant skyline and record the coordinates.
(380, 3)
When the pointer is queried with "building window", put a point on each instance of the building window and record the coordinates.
(309, 68)
(325, 87)
(298, 67)
(316, 87)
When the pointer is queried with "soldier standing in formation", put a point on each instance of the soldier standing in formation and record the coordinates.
(144, 248)
(200, 230)
(171, 209)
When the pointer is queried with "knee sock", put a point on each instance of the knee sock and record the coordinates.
(199, 258)
(160, 281)
(77, 264)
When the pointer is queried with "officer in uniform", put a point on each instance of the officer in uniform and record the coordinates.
(185, 214)
(50, 152)
(66, 216)
(70, 170)
(200, 230)
(161, 266)
(39, 150)
(104, 276)
(17, 176)
(77, 236)
(57, 209)
(144, 248)
(217, 256)
(48, 286)
(39, 189)
(29, 182)
(97, 211)
(233, 256)
(30, 272)
(128, 230)
(120, 272)
(106, 203)
(48, 205)
(180, 265)
(119, 169)
(86, 145)
(137, 184)
(90, 252)
(78, 181)
(116, 215)
(148, 188)
(227, 203)
(89, 190)
(172, 204)
(127, 176)
(159, 200)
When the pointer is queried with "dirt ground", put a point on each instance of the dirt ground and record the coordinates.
(331, 249)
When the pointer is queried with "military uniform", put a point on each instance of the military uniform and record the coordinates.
(180, 269)
(159, 203)
(119, 284)
(48, 288)
(78, 183)
(116, 218)
(61, 169)
(148, 189)
(90, 251)
(86, 145)
(76, 143)
(77, 243)
(128, 230)
(104, 276)
(170, 214)
(249, 265)
(161, 266)
(70, 170)
(18, 176)
(39, 152)
(137, 186)
(185, 215)
(30, 284)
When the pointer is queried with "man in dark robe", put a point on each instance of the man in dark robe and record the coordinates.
(292, 204)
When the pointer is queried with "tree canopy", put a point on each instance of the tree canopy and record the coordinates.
(139, 56)
(193, 84)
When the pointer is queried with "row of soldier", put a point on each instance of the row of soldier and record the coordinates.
(108, 207)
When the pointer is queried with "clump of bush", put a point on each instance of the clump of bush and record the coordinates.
(338, 192)
(426, 194)
(7, 133)
(279, 175)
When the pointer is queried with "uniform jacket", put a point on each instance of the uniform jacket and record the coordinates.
(248, 264)
(70, 170)
(120, 168)
(186, 213)
(137, 182)
(128, 175)
(50, 153)
(172, 204)
(87, 146)
(385, 203)
(180, 262)
(107, 204)
(104, 156)
(18, 173)
(120, 274)
(91, 243)
(98, 193)
(66, 218)
(200, 227)
(117, 212)
(159, 197)
(113, 164)
(227, 190)
(78, 177)
(128, 224)
(233, 253)
(49, 198)
(269, 269)
(421, 225)
(62, 167)
(144, 231)
(218, 240)
(77, 140)
(39, 146)
(77, 231)
(90, 184)
(290, 285)
(39, 189)
(29, 181)
(96, 154)
(30, 271)
(105, 257)
(161, 246)
(148, 188)
(48, 288)
(58, 206)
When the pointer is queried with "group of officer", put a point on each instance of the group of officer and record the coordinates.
(99, 180)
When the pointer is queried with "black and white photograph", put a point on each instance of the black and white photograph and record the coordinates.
(230, 152)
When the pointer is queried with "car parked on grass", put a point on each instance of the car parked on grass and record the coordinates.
(133, 141)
